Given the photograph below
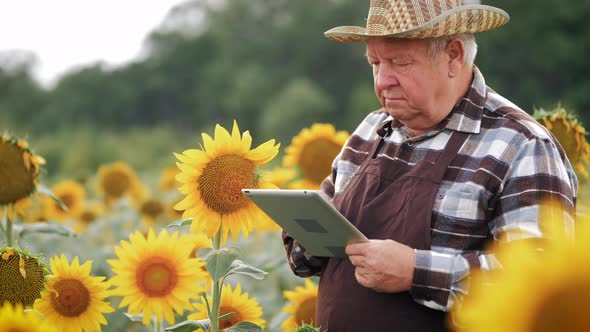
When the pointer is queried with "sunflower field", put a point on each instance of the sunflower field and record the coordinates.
(186, 250)
(119, 252)
(120, 188)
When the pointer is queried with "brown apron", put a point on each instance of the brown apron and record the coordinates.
(386, 199)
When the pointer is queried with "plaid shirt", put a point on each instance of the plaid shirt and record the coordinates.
(490, 191)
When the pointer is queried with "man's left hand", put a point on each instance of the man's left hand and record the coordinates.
(383, 265)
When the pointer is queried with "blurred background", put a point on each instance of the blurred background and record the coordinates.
(265, 63)
(88, 84)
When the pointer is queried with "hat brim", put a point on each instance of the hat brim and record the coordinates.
(478, 18)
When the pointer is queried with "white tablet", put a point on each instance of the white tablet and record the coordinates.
(308, 218)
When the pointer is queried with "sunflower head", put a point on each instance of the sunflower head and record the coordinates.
(21, 209)
(118, 180)
(22, 277)
(570, 133)
(91, 211)
(152, 208)
(243, 308)
(74, 300)
(281, 176)
(155, 275)
(548, 285)
(72, 194)
(313, 150)
(168, 178)
(198, 241)
(14, 318)
(212, 179)
(301, 306)
(19, 169)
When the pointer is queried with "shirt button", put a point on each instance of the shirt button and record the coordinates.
(440, 196)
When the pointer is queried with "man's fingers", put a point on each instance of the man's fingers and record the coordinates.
(357, 260)
(363, 278)
(356, 249)
(360, 277)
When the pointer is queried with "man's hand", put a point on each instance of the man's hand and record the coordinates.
(383, 265)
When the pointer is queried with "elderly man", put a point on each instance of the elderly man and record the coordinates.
(443, 169)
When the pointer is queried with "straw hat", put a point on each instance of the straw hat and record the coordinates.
(421, 19)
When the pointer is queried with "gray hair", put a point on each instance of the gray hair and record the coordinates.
(438, 44)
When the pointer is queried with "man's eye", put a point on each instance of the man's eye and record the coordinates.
(402, 63)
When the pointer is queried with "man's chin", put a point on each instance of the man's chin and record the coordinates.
(397, 113)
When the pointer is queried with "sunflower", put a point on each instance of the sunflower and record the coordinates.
(72, 194)
(171, 212)
(155, 275)
(549, 287)
(90, 212)
(20, 208)
(212, 179)
(312, 152)
(281, 176)
(570, 133)
(74, 300)
(243, 307)
(118, 180)
(22, 276)
(16, 319)
(19, 169)
(151, 209)
(199, 241)
(168, 178)
(302, 305)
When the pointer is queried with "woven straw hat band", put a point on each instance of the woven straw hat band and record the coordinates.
(421, 19)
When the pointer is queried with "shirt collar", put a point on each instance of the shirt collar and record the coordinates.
(467, 114)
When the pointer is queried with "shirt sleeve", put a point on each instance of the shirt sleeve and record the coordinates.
(301, 262)
(537, 175)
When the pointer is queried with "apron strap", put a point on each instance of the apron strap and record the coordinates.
(450, 152)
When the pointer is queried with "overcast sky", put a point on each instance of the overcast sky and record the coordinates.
(69, 33)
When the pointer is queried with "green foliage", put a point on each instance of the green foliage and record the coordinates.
(306, 328)
(78, 152)
(267, 64)
(190, 325)
(539, 57)
(219, 261)
(299, 105)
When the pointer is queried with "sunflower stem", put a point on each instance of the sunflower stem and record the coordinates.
(8, 230)
(216, 296)
(2, 221)
(157, 324)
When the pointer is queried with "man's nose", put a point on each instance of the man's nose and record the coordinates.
(385, 78)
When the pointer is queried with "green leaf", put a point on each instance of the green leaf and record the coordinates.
(243, 327)
(273, 265)
(190, 325)
(239, 267)
(218, 261)
(180, 223)
(44, 190)
(226, 316)
(45, 228)
(134, 318)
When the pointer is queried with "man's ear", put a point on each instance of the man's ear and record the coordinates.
(456, 56)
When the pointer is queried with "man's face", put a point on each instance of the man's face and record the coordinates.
(408, 82)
